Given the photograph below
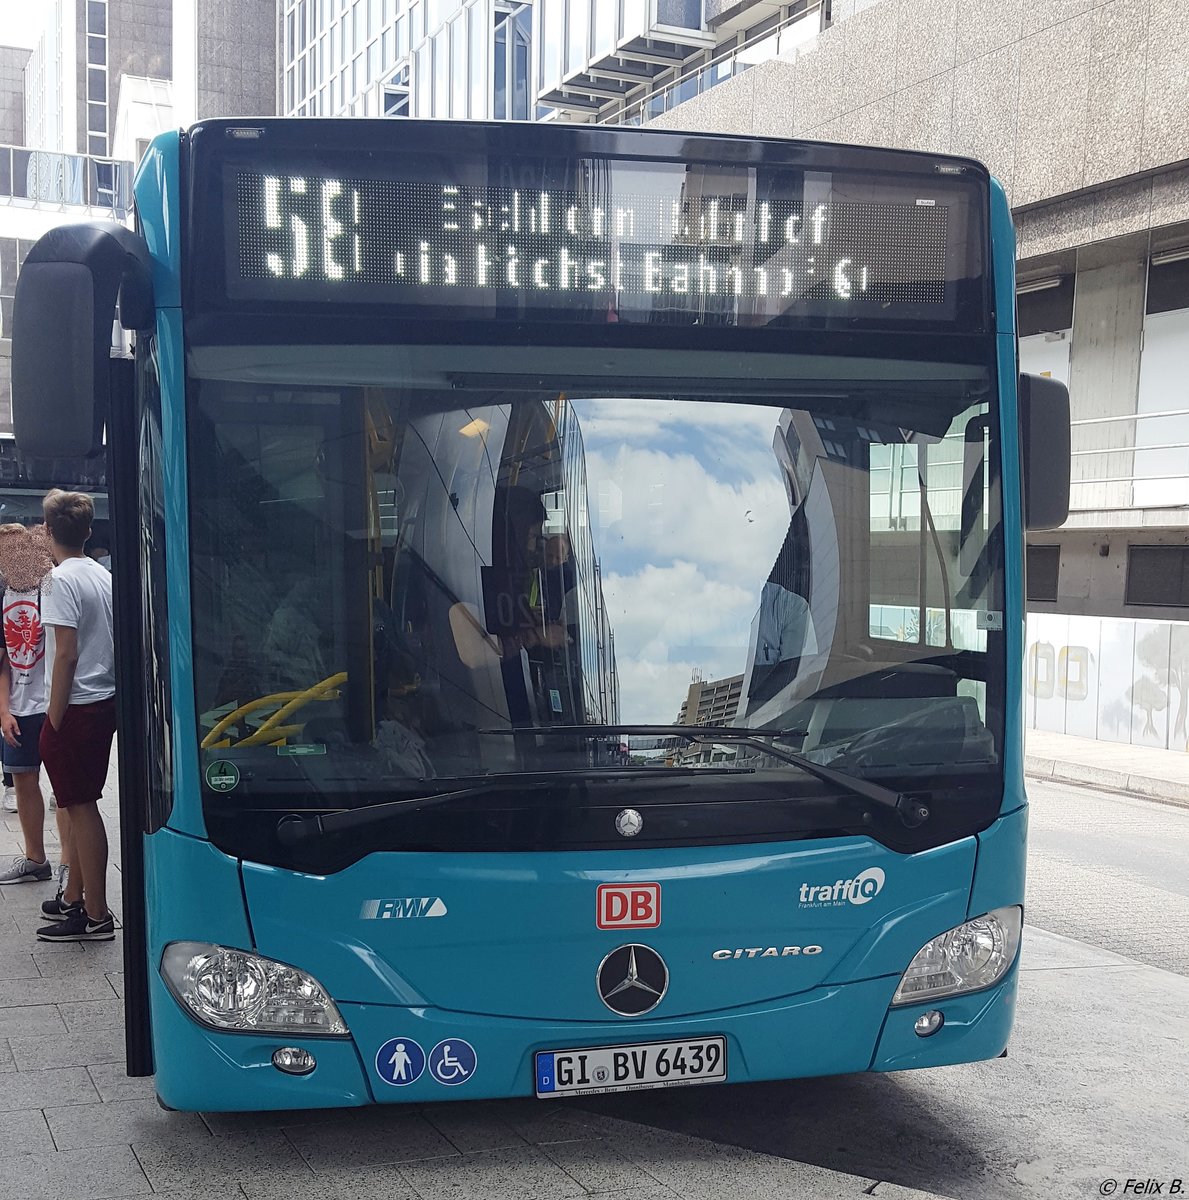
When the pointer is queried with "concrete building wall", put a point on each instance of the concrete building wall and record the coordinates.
(225, 59)
(140, 42)
(1104, 376)
(235, 51)
(1055, 96)
(12, 94)
(1092, 579)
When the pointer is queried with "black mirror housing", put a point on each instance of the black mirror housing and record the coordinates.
(66, 300)
(1044, 441)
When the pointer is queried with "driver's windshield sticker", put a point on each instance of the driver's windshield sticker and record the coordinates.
(302, 749)
(222, 776)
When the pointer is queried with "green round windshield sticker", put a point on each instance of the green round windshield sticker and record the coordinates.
(221, 775)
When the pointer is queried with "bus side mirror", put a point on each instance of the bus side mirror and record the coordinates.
(63, 311)
(1044, 426)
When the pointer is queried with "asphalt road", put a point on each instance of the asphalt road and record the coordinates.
(1093, 1087)
(1110, 870)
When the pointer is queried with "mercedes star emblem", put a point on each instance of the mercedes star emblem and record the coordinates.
(629, 822)
(632, 980)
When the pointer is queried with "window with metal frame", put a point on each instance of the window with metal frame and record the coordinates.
(1157, 576)
(1043, 573)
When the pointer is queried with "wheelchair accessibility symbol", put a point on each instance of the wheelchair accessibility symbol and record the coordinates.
(452, 1062)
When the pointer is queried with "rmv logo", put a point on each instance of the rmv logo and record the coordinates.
(406, 906)
(628, 906)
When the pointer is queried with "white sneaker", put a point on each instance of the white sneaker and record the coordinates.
(10, 799)
(25, 870)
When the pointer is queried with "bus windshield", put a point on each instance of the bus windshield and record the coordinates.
(407, 559)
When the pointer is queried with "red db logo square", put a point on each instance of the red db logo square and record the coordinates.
(628, 906)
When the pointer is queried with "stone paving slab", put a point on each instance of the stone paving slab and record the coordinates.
(79, 1174)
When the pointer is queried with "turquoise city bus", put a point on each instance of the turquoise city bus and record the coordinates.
(570, 604)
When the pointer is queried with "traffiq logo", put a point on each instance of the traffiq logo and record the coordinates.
(866, 885)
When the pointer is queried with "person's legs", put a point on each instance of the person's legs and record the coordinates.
(89, 848)
(31, 810)
(62, 819)
(73, 892)
(76, 756)
(22, 764)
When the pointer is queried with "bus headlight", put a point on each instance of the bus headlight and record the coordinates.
(241, 992)
(975, 955)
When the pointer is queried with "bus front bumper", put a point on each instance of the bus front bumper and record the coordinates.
(830, 1030)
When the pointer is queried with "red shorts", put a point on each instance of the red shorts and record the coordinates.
(76, 754)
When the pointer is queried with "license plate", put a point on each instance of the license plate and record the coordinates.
(594, 1069)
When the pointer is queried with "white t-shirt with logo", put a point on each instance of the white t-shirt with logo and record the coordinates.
(78, 595)
(24, 640)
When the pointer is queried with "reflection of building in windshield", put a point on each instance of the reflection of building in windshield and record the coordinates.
(799, 602)
(495, 581)
(837, 565)
(708, 702)
(857, 625)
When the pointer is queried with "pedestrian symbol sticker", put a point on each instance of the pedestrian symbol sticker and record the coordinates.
(221, 775)
(400, 1061)
(452, 1062)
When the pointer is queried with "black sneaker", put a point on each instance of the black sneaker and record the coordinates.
(78, 927)
(59, 909)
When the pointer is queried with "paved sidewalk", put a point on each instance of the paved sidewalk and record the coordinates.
(1141, 770)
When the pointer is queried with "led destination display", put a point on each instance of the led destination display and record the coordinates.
(651, 242)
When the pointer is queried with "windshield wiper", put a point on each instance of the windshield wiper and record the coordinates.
(911, 812)
(293, 830)
(736, 731)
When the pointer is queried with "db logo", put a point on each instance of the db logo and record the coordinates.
(628, 906)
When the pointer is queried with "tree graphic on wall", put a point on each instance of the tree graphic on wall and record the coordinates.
(1147, 694)
(1150, 650)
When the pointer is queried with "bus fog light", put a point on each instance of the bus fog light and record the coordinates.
(926, 1024)
(975, 955)
(293, 1060)
(241, 992)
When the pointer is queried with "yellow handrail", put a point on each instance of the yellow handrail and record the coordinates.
(266, 730)
(288, 700)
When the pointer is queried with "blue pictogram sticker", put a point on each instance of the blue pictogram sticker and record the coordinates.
(452, 1062)
(400, 1061)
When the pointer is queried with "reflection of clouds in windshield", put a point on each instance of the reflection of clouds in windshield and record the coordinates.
(690, 510)
(678, 606)
(667, 621)
(732, 440)
(662, 507)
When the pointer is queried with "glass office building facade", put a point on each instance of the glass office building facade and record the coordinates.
(570, 60)
(407, 58)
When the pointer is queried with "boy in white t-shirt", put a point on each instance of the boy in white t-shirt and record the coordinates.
(80, 715)
(24, 563)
